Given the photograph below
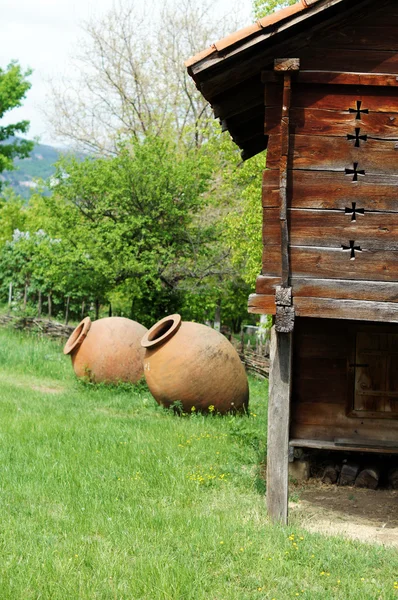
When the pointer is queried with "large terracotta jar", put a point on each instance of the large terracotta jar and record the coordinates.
(107, 350)
(195, 365)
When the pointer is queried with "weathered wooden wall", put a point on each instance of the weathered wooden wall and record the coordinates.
(342, 178)
(323, 391)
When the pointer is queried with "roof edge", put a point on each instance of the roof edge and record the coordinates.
(241, 34)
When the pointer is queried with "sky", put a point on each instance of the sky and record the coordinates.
(42, 35)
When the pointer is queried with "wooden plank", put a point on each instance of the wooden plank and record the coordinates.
(376, 389)
(261, 305)
(329, 445)
(327, 308)
(324, 367)
(362, 36)
(339, 123)
(308, 191)
(227, 105)
(278, 426)
(335, 392)
(326, 433)
(337, 77)
(329, 263)
(332, 415)
(364, 442)
(383, 18)
(333, 228)
(372, 61)
(336, 98)
(378, 291)
(326, 153)
(270, 188)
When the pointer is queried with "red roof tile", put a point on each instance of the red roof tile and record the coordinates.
(246, 32)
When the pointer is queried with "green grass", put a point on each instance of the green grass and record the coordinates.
(104, 495)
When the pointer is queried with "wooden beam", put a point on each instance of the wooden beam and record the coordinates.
(343, 289)
(331, 228)
(334, 263)
(331, 153)
(346, 309)
(307, 190)
(325, 445)
(327, 308)
(278, 426)
(337, 78)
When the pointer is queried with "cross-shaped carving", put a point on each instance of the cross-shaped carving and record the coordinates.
(358, 110)
(357, 137)
(354, 211)
(355, 171)
(352, 248)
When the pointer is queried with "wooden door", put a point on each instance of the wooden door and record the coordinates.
(376, 375)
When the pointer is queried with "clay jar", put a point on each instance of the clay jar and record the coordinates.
(195, 365)
(107, 350)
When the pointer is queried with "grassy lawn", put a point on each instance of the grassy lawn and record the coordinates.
(105, 495)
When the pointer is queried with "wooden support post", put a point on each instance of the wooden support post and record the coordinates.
(278, 426)
(284, 310)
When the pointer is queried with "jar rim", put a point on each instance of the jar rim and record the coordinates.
(78, 335)
(162, 331)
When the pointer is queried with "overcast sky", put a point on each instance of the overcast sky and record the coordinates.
(42, 34)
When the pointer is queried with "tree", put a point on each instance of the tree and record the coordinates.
(130, 222)
(13, 88)
(244, 224)
(262, 8)
(132, 81)
(12, 214)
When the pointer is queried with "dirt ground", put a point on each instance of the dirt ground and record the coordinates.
(367, 515)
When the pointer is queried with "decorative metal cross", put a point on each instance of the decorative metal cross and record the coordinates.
(352, 248)
(357, 137)
(358, 110)
(354, 211)
(355, 172)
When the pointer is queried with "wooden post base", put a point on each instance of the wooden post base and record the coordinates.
(278, 426)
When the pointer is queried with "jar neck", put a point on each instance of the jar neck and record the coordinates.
(162, 331)
(78, 336)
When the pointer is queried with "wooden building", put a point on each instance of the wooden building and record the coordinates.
(317, 84)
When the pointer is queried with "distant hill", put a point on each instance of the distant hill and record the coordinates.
(40, 164)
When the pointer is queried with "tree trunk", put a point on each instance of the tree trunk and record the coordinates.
(348, 474)
(39, 306)
(110, 310)
(25, 296)
(9, 297)
(393, 478)
(50, 305)
(82, 311)
(97, 309)
(67, 310)
(217, 316)
(330, 474)
(368, 478)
